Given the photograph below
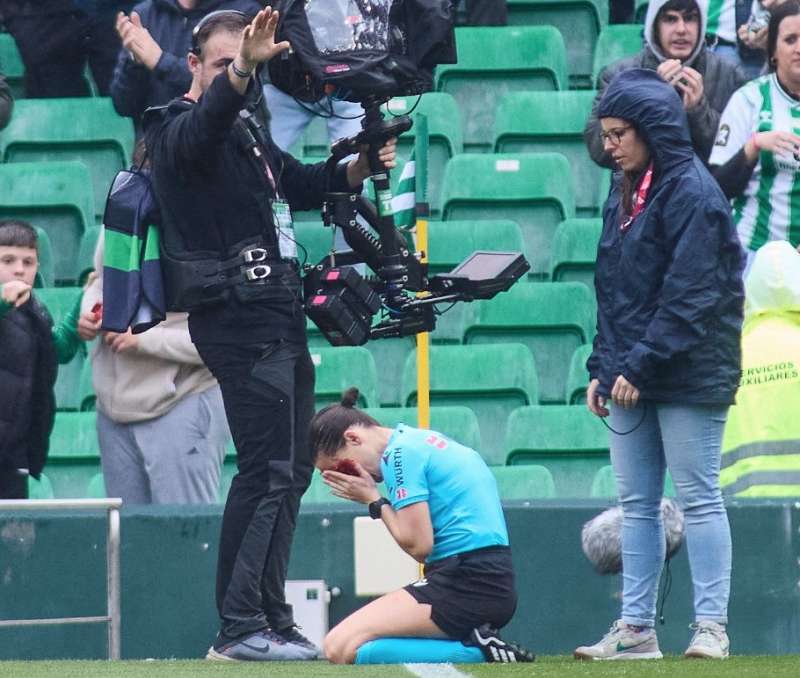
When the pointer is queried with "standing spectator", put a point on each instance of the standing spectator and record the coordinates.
(151, 69)
(6, 102)
(160, 419)
(676, 50)
(724, 32)
(57, 38)
(669, 316)
(756, 157)
(29, 352)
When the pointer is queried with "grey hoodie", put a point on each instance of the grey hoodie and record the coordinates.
(720, 80)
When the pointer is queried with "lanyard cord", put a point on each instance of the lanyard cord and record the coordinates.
(625, 433)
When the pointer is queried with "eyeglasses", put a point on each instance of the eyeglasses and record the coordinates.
(614, 135)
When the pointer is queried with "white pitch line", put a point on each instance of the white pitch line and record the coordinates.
(435, 671)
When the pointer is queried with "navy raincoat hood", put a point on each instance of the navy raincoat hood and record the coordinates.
(669, 288)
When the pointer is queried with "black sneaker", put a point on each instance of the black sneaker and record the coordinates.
(291, 634)
(260, 646)
(495, 649)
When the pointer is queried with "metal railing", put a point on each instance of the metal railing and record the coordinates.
(112, 618)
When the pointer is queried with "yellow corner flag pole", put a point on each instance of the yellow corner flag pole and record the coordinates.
(423, 338)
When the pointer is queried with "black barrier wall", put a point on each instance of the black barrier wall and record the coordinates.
(53, 565)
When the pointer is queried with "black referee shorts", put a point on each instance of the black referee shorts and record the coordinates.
(468, 590)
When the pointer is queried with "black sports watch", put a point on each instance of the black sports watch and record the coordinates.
(376, 506)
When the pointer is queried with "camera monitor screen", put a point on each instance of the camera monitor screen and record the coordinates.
(485, 265)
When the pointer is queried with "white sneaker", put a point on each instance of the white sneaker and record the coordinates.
(710, 641)
(622, 642)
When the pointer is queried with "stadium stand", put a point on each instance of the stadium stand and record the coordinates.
(532, 189)
(578, 376)
(493, 61)
(450, 242)
(551, 319)
(340, 368)
(45, 276)
(74, 457)
(490, 379)
(579, 21)
(85, 129)
(567, 439)
(524, 483)
(59, 302)
(459, 423)
(575, 251)
(86, 396)
(389, 356)
(40, 489)
(615, 42)
(444, 135)
(551, 122)
(56, 197)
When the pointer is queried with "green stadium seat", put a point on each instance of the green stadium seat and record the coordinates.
(575, 251)
(605, 188)
(492, 380)
(96, 489)
(580, 22)
(314, 335)
(578, 377)
(604, 484)
(568, 439)
(390, 355)
(445, 139)
(551, 319)
(86, 129)
(338, 368)
(551, 122)
(523, 483)
(74, 457)
(616, 42)
(45, 276)
(450, 242)
(315, 140)
(315, 238)
(450, 325)
(458, 423)
(11, 65)
(640, 11)
(86, 253)
(56, 197)
(86, 395)
(493, 61)
(532, 189)
(40, 489)
(59, 302)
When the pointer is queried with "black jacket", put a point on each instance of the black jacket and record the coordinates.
(720, 80)
(212, 196)
(669, 289)
(27, 374)
(134, 87)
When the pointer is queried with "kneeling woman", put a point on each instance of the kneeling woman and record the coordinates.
(444, 511)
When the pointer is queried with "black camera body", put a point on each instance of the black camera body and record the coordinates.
(356, 49)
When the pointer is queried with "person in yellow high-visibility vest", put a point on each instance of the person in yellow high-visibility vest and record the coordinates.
(761, 445)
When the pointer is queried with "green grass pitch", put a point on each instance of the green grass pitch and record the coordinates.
(545, 667)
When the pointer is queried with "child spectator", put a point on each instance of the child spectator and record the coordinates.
(29, 349)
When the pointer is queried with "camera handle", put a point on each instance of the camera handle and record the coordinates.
(375, 133)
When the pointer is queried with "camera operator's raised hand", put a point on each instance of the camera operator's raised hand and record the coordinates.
(137, 40)
(257, 46)
(358, 169)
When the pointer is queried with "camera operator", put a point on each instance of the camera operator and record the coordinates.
(227, 195)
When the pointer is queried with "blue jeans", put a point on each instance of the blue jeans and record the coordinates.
(685, 439)
(289, 119)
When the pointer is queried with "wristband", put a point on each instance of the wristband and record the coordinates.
(755, 141)
(240, 73)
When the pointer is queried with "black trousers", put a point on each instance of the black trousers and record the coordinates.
(13, 484)
(55, 49)
(268, 391)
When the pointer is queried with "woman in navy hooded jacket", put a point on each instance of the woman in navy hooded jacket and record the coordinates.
(670, 303)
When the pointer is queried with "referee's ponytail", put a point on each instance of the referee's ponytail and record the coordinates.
(330, 423)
